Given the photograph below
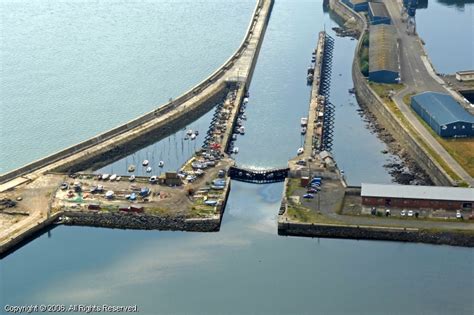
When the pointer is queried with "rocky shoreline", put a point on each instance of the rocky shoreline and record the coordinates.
(402, 167)
(138, 221)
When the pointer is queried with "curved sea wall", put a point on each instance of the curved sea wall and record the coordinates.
(176, 104)
(367, 97)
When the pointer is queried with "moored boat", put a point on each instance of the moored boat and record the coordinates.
(131, 168)
(145, 162)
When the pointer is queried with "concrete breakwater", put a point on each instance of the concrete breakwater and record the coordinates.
(368, 98)
(376, 233)
(242, 62)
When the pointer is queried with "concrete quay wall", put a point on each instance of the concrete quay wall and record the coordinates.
(376, 233)
(24, 235)
(367, 97)
(174, 105)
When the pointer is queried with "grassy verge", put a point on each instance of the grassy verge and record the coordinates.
(364, 55)
(293, 185)
(462, 149)
(304, 215)
(201, 210)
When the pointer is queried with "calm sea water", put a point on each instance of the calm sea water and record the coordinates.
(246, 268)
(447, 27)
(72, 69)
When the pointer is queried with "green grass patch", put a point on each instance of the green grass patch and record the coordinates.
(305, 215)
(364, 55)
(293, 185)
(157, 211)
(461, 149)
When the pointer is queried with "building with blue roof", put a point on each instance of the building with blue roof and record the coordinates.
(443, 114)
(357, 5)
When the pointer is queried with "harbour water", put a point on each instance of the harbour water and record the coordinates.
(246, 268)
(447, 28)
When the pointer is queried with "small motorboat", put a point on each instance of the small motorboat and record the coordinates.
(186, 137)
(131, 178)
(133, 196)
(161, 164)
(193, 136)
(145, 162)
(246, 100)
(304, 121)
(303, 130)
(153, 179)
(113, 177)
(211, 202)
(189, 132)
(196, 133)
(105, 176)
(148, 169)
(242, 130)
(118, 178)
(244, 117)
(300, 151)
(235, 150)
(131, 168)
(144, 192)
(109, 194)
(234, 136)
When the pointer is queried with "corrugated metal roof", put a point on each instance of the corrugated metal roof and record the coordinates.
(378, 9)
(443, 108)
(383, 50)
(418, 192)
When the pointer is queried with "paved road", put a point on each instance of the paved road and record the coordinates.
(418, 78)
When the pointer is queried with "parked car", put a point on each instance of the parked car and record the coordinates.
(403, 213)
(410, 213)
(312, 191)
(387, 212)
(458, 214)
(308, 196)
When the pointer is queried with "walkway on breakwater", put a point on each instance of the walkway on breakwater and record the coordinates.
(36, 187)
(320, 115)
